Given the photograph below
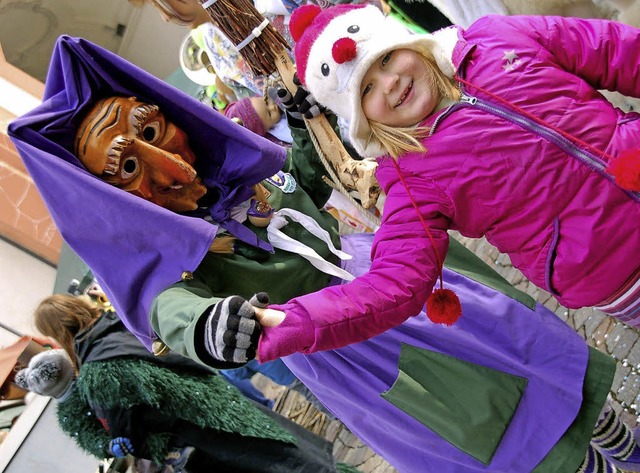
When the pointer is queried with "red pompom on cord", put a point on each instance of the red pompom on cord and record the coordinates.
(443, 307)
(626, 169)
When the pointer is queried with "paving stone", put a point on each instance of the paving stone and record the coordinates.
(619, 378)
(598, 337)
(625, 394)
(563, 313)
(357, 454)
(634, 355)
(620, 341)
(593, 322)
(579, 317)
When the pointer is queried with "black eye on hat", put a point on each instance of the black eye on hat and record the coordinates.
(325, 69)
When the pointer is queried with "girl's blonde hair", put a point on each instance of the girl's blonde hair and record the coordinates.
(62, 317)
(400, 140)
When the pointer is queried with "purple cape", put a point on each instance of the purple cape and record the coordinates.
(496, 331)
(135, 248)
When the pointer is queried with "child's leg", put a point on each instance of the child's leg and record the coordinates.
(616, 441)
(595, 462)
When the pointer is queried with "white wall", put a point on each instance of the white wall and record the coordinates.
(24, 282)
(151, 43)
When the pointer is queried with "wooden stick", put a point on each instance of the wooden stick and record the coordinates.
(267, 53)
(12, 330)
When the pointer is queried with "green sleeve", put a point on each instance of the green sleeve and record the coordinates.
(305, 166)
(178, 315)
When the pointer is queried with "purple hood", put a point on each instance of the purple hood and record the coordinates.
(134, 247)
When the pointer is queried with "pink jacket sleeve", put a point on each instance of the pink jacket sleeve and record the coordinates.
(604, 53)
(401, 277)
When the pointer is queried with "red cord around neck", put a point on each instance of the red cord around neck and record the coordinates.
(424, 224)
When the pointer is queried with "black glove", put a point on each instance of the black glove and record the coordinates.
(232, 331)
(120, 447)
(302, 103)
(260, 299)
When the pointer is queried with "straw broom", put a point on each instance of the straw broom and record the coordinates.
(266, 51)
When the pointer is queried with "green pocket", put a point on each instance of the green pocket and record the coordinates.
(468, 405)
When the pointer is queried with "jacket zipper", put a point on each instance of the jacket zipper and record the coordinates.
(550, 135)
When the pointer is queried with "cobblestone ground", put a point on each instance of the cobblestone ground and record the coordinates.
(599, 330)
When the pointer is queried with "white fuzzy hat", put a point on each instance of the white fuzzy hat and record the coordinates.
(49, 373)
(335, 48)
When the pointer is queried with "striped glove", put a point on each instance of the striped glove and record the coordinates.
(302, 103)
(232, 332)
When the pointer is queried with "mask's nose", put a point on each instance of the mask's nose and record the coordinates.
(166, 168)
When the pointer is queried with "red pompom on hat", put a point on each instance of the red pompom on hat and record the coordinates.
(344, 50)
(626, 169)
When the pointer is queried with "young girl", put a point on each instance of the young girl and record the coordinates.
(155, 407)
(494, 131)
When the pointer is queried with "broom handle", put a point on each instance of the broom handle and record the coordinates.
(12, 330)
(354, 174)
(262, 46)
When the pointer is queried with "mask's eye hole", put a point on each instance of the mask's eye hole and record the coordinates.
(129, 167)
(325, 69)
(353, 29)
(151, 131)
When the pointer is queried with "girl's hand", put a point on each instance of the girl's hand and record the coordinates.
(269, 317)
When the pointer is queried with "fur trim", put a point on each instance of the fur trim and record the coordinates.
(127, 382)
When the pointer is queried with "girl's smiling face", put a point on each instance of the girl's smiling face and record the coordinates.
(399, 89)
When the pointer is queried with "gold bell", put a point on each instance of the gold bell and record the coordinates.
(187, 276)
(159, 348)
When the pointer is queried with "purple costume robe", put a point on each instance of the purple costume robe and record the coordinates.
(89, 212)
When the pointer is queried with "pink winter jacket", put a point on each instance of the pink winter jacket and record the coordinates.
(490, 170)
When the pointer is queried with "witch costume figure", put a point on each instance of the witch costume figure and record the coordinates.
(510, 388)
(166, 409)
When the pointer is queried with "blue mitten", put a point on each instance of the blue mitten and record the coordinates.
(121, 447)
(232, 331)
